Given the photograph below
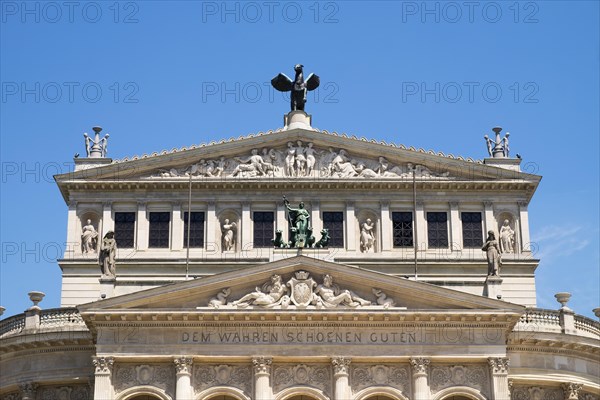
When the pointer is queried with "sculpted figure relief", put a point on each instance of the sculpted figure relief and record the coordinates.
(492, 250)
(269, 296)
(507, 238)
(332, 296)
(367, 236)
(89, 238)
(108, 254)
(229, 232)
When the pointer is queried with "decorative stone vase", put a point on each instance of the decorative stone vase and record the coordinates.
(596, 312)
(563, 299)
(2, 309)
(36, 297)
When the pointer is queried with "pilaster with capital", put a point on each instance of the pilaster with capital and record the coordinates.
(281, 221)
(247, 239)
(262, 378)
(212, 243)
(177, 226)
(350, 226)
(341, 369)
(386, 233)
(103, 386)
(488, 218)
(499, 373)
(571, 390)
(28, 390)
(524, 226)
(420, 372)
(420, 227)
(183, 367)
(315, 217)
(143, 227)
(73, 242)
(108, 223)
(455, 227)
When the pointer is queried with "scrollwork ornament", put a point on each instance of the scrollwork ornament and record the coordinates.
(262, 365)
(341, 365)
(28, 389)
(103, 365)
(498, 365)
(571, 390)
(183, 365)
(420, 365)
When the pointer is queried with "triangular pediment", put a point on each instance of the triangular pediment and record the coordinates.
(223, 292)
(296, 154)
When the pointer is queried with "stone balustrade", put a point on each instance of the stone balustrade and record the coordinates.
(50, 320)
(544, 320)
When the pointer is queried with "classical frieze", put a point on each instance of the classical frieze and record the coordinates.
(366, 375)
(298, 160)
(314, 375)
(537, 393)
(63, 392)
(444, 376)
(210, 375)
(158, 375)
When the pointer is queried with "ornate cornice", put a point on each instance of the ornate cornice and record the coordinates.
(341, 365)
(498, 365)
(420, 365)
(262, 365)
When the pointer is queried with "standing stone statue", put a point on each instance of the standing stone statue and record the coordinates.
(108, 254)
(301, 232)
(498, 147)
(507, 238)
(299, 87)
(492, 250)
(228, 230)
(96, 147)
(367, 238)
(89, 238)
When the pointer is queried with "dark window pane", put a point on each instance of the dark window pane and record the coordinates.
(125, 229)
(196, 229)
(471, 229)
(333, 221)
(402, 229)
(437, 229)
(159, 229)
(263, 228)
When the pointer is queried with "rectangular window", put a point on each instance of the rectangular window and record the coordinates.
(196, 229)
(263, 228)
(471, 229)
(125, 229)
(437, 229)
(159, 229)
(333, 221)
(402, 229)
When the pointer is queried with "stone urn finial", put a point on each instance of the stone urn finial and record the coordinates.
(36, 297)
(563, 299)
(2, 309)
(596, 312)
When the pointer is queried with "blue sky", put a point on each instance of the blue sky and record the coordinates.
(437, 75)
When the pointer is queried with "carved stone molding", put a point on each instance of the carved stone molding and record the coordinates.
(75, 392)
(315, 375)
(103, 365)
(420, 365)
(262, 365)
(365, 375)
(488, 204)
(183, 365)
(158, 375)
(444, 376)
(537, 393)
(28, 389)
(453, 204)
(588, 396)
(210, 375)
(341, 365)
(571, 390)
(11, 396)
(498, 365)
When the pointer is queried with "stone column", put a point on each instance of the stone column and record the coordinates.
(177, 226)
(247, 239)
(103, 388)
(421, 227)
(524, 226)
(341, 369)
(262, 378)
(28, 390)
(315, 217)
(212, 242)
(108, 223)
(350, 227)
(142, 223)
(183, 389)
(281, 222)
(499, 371)
(420, 370)
(456, 243)
(73, 241)
(571, 390)
(385, 231)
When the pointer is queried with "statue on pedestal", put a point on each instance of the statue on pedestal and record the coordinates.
(367, 238)
(96, 147)
(498, 147)
(299, 87)
(507, 238)
(89, 238)
(228, 230)
(108, 254)
(300, 231)
(492, 250)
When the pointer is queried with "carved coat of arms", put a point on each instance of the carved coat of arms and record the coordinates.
(302, 289)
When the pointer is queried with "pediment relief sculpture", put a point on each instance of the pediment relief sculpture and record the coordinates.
(300, 291)
(298, 160)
